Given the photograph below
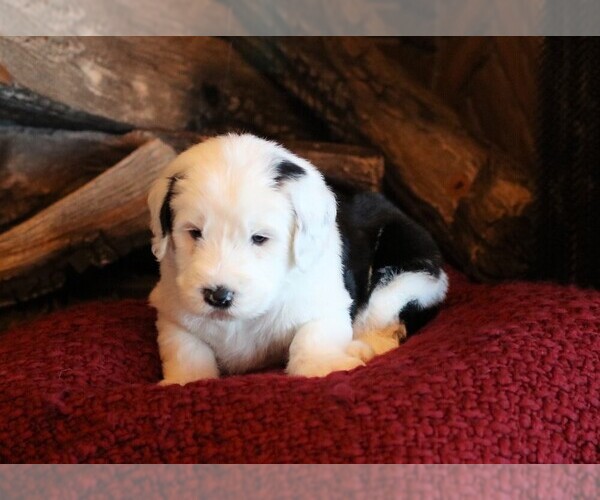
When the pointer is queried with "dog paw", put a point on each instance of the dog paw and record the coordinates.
(361, 350)
(179, 381)
(165, 382)
(378, 341)
(324, 365)
(183, 378)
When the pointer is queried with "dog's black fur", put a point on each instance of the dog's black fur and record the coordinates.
(380, 241)
(287, 170)
(166, 212)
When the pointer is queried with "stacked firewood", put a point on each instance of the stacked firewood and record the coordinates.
(87, 123)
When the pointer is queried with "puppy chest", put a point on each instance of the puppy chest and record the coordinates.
(246, 350)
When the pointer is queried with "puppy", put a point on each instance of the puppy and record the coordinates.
(257, 268)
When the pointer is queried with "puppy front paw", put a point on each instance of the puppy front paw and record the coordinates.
(323, 365)
(373, 343)
(172, 377)
(170, 381)
(361, 350)
(185, 357)
(166, 381)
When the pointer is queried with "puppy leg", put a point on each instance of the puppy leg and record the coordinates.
(319, 348)
(185, 358)
(378, 328)
(369, 343)
(396, 273)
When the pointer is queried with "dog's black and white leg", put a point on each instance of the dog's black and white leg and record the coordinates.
(381, 324)
(393, 270)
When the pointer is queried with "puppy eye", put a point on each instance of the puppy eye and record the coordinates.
(259, 239)
(195, 233)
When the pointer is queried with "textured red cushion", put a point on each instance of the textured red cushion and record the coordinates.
(505, 373)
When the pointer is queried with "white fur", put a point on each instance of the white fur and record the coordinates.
(377, 328)
(290, 302)
(289, 293)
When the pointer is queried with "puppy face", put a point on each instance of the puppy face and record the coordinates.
(228, 213)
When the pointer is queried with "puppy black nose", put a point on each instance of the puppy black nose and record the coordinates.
(220, 297)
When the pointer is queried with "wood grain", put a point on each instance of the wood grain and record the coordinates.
(490, 82)
(351, 167)
(474, 197)
(120, 83)
(39, 166)
(95, 224)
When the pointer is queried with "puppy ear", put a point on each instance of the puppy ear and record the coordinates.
(314, 206)
(161, 214)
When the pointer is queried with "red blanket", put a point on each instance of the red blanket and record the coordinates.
(505, 373)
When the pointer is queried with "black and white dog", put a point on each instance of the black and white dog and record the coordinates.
(259, 267)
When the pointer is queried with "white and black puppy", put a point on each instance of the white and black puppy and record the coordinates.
(259, 268)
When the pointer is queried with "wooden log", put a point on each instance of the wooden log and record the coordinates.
(40, 166)
(108, 217)
(120, 83)
(93, 225)
(491, 83)
(472, 196)
(346, 167)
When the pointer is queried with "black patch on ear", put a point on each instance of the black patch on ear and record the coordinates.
(166, 212)
(287, 170)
